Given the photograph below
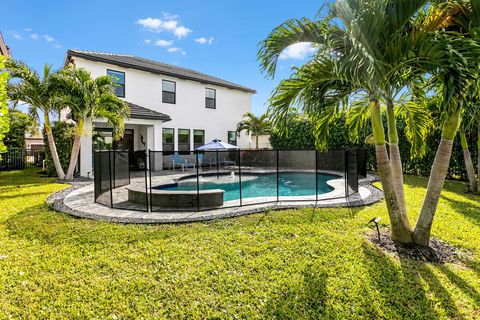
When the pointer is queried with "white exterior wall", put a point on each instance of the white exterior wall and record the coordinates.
(189, 112)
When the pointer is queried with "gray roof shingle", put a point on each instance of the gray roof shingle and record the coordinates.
(139, 112)
(129, 61)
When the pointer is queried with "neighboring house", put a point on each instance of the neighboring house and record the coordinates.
(4, 49)
(34, 143)
(172, 108)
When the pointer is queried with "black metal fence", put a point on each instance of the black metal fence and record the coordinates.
(238, 177)
(19, 159)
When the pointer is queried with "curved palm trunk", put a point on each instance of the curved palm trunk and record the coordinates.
(400, 229)
(472, 181)
(396, 162)
(421, 233)
(75, 150)
(53, 147)
(256, 140)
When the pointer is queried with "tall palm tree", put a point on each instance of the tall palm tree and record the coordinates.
(90, 98)
(4, 119)
(374, 48)
(254, 125)
(41, 97)
(470, 122)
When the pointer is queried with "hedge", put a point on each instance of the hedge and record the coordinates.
(300, 136)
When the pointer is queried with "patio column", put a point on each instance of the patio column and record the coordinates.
(86, 149)
(154, 143)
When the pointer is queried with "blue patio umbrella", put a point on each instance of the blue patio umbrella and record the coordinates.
(216, 144)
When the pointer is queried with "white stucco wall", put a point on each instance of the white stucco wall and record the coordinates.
(189, 112)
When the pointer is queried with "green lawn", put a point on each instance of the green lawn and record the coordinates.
(291, 264)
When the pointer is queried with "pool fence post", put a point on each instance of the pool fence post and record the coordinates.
(316, 177)
(216, 153)
(345, 164)
(110, 177)
(146, 180)
(278, 187)
(240, 175)
(198, 181)
(150, 207)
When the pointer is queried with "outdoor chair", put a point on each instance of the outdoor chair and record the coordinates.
(177, 160)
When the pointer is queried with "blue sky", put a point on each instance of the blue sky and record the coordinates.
(212, 36)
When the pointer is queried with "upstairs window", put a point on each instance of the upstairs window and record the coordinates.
(232, 137)
(198, 138)
(210, 98)
(119, 78)
(168, 91)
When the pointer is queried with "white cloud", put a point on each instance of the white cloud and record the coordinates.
(176, 49)
(58, 46)
(203, 40)
(163, 43)
(48, 38)
(182, 32)
(28, 29)
(169, 24)
(147, 41)
(34, 36)
(298, 51)
(16, 35)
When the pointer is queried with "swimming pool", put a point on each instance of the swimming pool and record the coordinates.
(290, 184)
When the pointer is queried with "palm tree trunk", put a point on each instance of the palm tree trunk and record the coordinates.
(478, 156)
(75, 150)
(256, 140)
(472, 186)
(396, 162)
(421, 233)
(400, 230)
(53, 147)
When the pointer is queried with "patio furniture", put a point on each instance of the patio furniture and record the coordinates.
(177, 160)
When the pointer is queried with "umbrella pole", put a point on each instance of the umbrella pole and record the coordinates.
(216, 151)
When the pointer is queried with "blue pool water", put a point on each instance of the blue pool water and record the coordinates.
(263, 185)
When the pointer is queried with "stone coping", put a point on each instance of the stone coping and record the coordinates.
(78, 201)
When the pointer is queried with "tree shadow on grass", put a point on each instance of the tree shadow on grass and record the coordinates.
(460, 283)
(469, 210)
(402, 289)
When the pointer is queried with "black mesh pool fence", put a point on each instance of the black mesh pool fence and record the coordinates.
(219, 179)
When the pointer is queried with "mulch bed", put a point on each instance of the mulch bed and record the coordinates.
(438, 252)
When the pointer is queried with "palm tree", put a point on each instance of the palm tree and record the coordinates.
(470, 122)
(41, 96)
(254, 125)
(90, 98)
(374, 49)
(4, 119)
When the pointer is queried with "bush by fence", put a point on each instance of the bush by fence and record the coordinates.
(300, 136)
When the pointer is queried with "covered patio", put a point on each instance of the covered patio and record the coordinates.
(143, 131)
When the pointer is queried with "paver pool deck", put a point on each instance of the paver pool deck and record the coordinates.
(78, 201)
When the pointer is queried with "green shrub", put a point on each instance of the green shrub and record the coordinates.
(300, 136)
(20, 123)
(63, 134)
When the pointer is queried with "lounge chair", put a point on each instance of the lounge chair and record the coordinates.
(181, 162)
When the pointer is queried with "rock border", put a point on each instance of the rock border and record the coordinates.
(56, 202)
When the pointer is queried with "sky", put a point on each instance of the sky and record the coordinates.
(217, 37)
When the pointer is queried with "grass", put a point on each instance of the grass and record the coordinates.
(293, 264)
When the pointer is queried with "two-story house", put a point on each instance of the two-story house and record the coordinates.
(172, 108)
